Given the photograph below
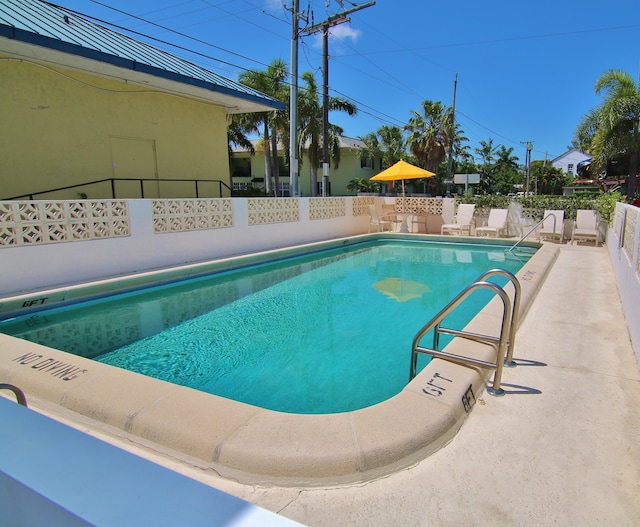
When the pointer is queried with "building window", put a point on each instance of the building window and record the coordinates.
(240, 167)
(366, 162)
(570, 168)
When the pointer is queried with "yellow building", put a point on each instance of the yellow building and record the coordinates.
(81, 103)
(248, 170)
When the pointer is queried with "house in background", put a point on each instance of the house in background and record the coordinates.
(248, 170)
(82, 103)
(568, 162)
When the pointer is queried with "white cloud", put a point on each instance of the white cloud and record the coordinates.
(345, 31)
(337, 34)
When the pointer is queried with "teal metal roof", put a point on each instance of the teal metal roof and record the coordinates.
(43, 24)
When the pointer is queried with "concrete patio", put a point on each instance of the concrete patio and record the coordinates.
(560, 448)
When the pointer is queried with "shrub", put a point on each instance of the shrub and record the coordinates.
(606, 204)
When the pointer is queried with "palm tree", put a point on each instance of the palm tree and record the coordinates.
(430, 134)
(394, 147)
(614, 126)
(270, 82)
(487, 153)
(311, 126)
(372, 149)
(387, 144)
(505, 157)
(237, 131)
(506, 173)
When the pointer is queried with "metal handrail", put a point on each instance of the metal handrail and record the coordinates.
(522, 238)
(501, 344)
(515, 310)
(20, 397)
(113, 186)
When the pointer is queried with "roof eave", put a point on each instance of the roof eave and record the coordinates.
(60, 53)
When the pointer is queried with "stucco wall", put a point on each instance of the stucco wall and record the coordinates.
(61, 127)
(38, 253)
(623, 243)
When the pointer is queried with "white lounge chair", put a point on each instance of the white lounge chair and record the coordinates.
(381, 223)
(462, 221)
(585, 227)
(552, 227)
(496, 224)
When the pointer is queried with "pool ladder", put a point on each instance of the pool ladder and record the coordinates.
(503, 344)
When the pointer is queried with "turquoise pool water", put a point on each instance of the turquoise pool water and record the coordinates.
(322, 333)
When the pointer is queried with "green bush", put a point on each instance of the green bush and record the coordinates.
(606, 204)
(536, 205)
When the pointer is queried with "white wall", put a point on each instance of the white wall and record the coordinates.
(27, 268)
(627, 270)
(573, 157)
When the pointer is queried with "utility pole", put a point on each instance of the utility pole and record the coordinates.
(453, 128)
(333, 20)
(293, 105)
(527, 163)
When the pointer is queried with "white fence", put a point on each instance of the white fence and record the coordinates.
(623, 242)
(44, 244)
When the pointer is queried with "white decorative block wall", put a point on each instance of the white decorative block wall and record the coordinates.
(262, 211)
(324, 208)
(177, 215)
(41, 222)
(361, 205)
(420, 205)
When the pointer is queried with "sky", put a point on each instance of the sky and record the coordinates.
(525, 70)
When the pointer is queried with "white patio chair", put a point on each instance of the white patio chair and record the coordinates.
(462, 221)
(585, 228)
(496, 224)
(552, 227)
(418, 221)
(388, 212)
(380, 222)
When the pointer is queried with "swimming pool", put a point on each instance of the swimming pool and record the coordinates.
(318, 333)
(240, 441)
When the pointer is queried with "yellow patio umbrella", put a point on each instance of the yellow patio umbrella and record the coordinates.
(401, 171)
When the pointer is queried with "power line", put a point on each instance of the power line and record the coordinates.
(374, 113)
(184, 35)
(507, 39)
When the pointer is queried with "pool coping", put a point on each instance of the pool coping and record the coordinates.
(253, 445)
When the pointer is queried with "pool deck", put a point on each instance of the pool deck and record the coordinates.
(561, 447)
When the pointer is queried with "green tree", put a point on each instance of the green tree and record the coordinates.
(548, 179)
(394, 146)
(612, 129)
(311, 126)
(372, 148)
(486, 151)
(271, 82)
(505, 172)
(237, 131)
(430, 134)
(386, 144)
